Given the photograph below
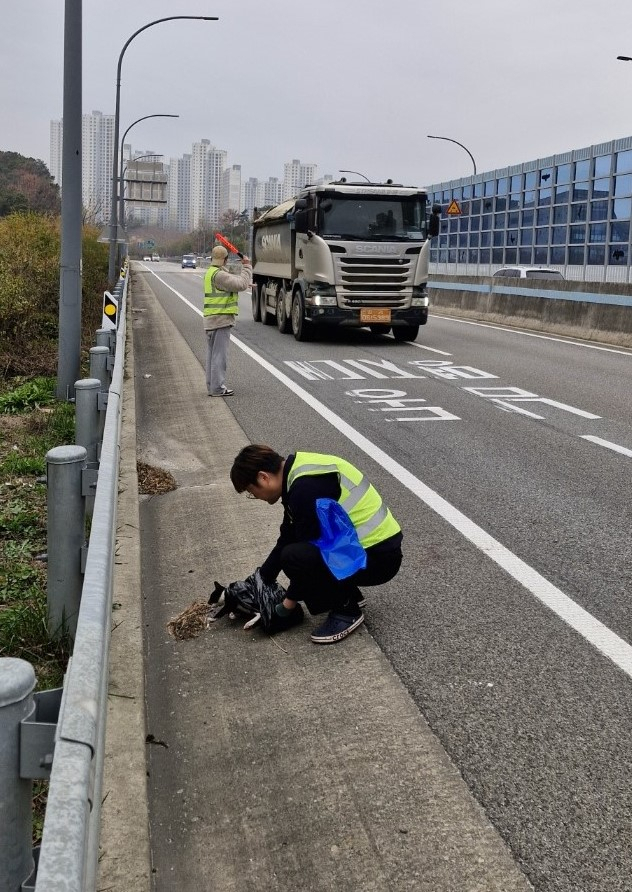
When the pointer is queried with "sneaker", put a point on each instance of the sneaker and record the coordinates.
(336, 627)
(283, 623)
(225, 391)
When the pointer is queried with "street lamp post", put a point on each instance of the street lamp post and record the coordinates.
(355, 172)
(117, 112)
(121, 199)
(447, 138)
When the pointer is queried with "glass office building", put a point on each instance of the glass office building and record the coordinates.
(569, 211)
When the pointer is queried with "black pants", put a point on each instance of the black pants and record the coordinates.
(311, 580)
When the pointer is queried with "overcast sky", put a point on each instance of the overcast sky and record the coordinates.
(353, 84)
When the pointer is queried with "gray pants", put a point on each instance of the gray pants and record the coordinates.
(216, 358)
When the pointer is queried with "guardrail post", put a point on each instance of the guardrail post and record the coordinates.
(17, 680)
(87, 416)
(89, 423)
(66, 536)
(99, 365)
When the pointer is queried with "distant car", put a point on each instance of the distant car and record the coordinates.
(527, 272)
(188, 260)
(155, 257)
(147, 258)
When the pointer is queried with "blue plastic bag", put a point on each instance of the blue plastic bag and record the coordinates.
(338, 542)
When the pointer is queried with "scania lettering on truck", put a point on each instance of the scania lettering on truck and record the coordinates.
(353, 254)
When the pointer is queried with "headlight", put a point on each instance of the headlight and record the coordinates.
(420, 298)
(321, 295)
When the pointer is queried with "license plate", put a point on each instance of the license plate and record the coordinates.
(375, 314)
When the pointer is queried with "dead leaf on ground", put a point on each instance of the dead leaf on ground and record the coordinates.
(152, 481)
(190, 622)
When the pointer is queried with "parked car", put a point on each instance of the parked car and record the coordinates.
(189, 260)
(147, 258)
(527, 272)
(155, 257)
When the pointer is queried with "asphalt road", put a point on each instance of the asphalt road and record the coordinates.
(506, 457)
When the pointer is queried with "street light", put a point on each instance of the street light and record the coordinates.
(121, 199)
(115, 160)
(355, 172)
(447, 138)
(625, 58)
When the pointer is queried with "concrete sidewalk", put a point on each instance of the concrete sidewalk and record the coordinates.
(275, 764)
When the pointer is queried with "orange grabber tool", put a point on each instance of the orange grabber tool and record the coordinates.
(227, 244)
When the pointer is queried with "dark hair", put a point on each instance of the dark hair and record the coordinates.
(250, 461)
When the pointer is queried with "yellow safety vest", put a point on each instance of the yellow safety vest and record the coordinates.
(218, 303)
(362, 502)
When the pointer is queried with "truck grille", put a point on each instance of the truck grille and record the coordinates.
(366, 281)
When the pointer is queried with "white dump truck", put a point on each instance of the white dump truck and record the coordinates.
(353, 254)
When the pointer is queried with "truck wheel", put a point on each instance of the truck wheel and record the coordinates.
(405, 332)
(266, 317)
(256, 307)
(300, 328)
(283, 323)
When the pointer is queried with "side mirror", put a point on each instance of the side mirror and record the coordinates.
(434, 223)
(301, 221)
(301, 204)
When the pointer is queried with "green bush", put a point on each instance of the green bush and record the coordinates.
(29, 292)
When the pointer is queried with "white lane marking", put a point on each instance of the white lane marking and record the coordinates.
(431, 349)
(607, 444)
(596, 633)
(531, 334)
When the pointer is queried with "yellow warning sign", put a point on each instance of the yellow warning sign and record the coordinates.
(110, 311)
(454, 209)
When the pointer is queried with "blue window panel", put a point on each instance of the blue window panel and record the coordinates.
(562, 194)
(541, 255)
(467, 191)
(576, 255)
(596, 255)
(622, 186)
(544, 196)
(513, 219)
(560, 214)
(474, 239)
(618, 255)
(620, 232)
(598, 210)
(526, 236)
(562, 174)
(524, 255)
(582, 170)
(511, 255)
(623, 162)
(578, 213)
(485, 255)
(512, 237)
(530, 180)
(543, 216)
(597, 232)
(542, 236)
(558, 256)
(527, 218)
(486, 239)
(577, 235)
(515, 184)
(621, 208)
(603, 165)
(499, 221)
(558, 235)
(580, 191)
(601, 188)
(486, 221)
(529, 198)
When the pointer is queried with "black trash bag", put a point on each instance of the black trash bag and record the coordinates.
(251, 597)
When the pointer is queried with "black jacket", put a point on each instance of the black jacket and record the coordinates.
(300, 521)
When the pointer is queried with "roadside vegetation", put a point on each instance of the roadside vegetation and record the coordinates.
(32, 420)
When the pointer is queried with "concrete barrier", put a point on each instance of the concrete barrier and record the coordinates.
(589, 310)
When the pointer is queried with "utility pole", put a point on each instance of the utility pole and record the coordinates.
(69, 337)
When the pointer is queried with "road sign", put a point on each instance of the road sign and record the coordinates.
(151, 243)
(454, 209)
(110, 312)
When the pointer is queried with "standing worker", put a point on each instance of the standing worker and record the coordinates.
(221, 290)
(299, 480)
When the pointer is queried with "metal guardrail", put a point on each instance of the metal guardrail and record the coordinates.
(62, 733)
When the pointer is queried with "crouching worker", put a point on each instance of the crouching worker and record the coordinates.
(299, 480)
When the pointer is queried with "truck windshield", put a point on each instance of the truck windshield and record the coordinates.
(377, 218)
